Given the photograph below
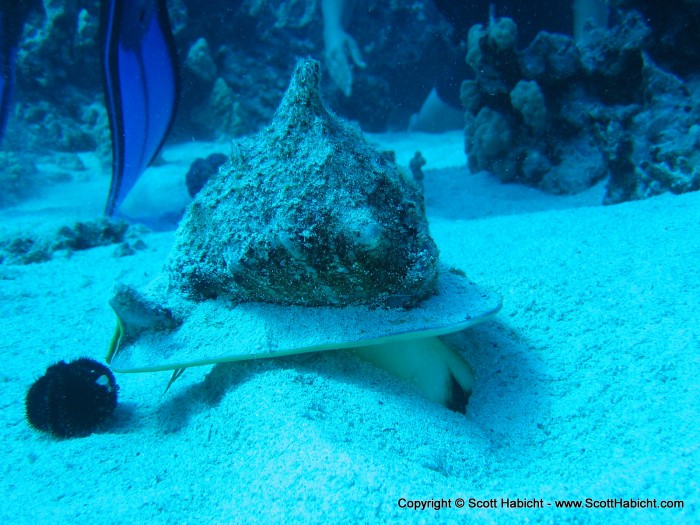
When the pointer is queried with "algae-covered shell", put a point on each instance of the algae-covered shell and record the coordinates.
(308, 239)
(212, 331)
(308, 213)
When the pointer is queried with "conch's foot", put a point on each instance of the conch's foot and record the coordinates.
(435, 369)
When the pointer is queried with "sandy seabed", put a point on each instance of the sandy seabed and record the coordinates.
(587, 381)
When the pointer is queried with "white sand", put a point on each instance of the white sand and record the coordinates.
(587, 381)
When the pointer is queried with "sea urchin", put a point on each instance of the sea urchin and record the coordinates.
(72, 399)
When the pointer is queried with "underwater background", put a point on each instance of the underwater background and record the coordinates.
(568, 187)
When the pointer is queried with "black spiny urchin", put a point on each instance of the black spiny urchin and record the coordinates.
(72, 399)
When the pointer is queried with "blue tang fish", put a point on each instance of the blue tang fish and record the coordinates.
(141, 86)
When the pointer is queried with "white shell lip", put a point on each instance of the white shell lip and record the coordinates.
(213, 332)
